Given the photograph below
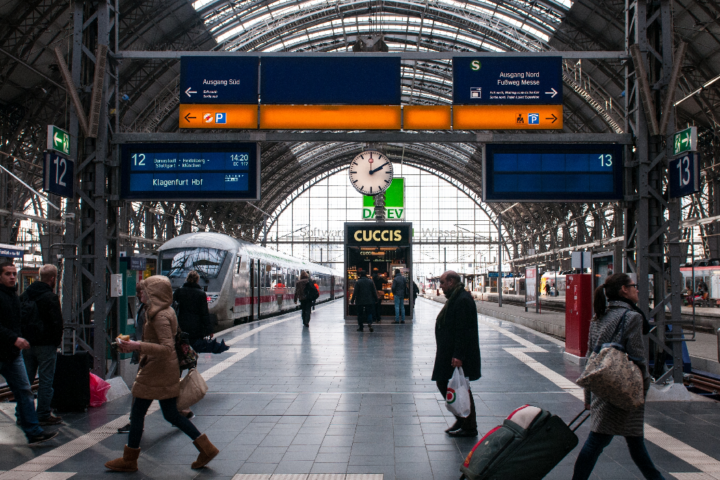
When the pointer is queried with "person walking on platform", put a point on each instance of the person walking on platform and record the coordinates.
(614, 302)
(158, 378)
(399, 287)
(138, 335)
(305, 305)
(365, 297)
(318, 289)
(41, 357)
(378, 282)
(12, 365)
(193, 315)
(458, 345)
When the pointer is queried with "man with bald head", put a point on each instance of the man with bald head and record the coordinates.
(458, 345)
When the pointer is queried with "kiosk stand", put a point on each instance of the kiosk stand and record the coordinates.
(387, 247)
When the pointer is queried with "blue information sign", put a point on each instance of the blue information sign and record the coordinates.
(507, 81)
(330, 81)
(161, 171)
(552, 173)
(59, 175)
(684, 175)
(219, 80)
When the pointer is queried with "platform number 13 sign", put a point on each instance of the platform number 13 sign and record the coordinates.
(59, 175)
(684, 175)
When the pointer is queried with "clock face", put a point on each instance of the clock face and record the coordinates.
(371, 173)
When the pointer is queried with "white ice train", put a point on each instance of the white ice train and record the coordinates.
(242, 281)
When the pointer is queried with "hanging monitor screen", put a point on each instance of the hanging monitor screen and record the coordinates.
(552, 173)
(197, 171)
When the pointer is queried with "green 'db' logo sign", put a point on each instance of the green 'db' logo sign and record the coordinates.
(475, 65)
(450, 396)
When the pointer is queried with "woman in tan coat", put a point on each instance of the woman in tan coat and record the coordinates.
(157, 378)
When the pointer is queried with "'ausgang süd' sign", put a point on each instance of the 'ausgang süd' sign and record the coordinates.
(364, 234)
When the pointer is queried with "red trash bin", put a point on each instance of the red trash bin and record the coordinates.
(578, 313)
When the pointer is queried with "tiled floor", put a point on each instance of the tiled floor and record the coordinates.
(285, 400)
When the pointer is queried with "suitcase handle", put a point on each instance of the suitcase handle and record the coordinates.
(581, 421)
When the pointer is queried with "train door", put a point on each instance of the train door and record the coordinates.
(252, 290)
(332, 287)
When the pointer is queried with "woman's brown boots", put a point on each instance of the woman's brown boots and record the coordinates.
(128, 462)
(207, 450)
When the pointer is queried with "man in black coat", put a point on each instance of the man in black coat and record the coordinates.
(193, 315)
(12, 366)
(41, 357)
(458, 345)
(365, 297)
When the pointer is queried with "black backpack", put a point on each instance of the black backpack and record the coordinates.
(31, 324)
(311, 292)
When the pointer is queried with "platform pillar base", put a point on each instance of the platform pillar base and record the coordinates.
(569, 357)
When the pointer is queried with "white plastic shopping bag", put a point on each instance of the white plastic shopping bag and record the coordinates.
(457, 399)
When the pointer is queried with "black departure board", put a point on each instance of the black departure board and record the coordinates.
(552, 172)
(196, 171)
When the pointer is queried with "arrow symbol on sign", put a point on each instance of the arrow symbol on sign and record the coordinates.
(58, 139)
(552, 93)
(188, 92)
(553, 118)
(188, 117)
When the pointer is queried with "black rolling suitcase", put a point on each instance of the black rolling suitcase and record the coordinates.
(72, 381)
(527, 446)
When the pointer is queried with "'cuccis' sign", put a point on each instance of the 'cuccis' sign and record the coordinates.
(367, 235)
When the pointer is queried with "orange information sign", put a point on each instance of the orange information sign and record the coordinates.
(218, 116)
(426, 117)
(507, 117)
(331, 117)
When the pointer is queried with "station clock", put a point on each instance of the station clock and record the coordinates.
(371, 172)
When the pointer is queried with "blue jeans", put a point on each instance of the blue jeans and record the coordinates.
(41, 360)
(170, 413)
(399, 309)
(594, 446)
(17, 379)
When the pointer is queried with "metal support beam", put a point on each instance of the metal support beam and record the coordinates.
(374, 136)
(159, 55)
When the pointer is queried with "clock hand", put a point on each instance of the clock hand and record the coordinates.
(377, 169)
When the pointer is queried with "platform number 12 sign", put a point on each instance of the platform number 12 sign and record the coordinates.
(684, 175)
(59, 175)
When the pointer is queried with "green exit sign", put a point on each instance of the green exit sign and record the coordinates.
(685, 141)
(58, 140)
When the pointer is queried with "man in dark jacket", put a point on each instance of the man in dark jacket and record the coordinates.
(40, 358)
(399, 288)
(305, 304)
(378, 282)
(365, 297)
(12, 366)
(193, 315)
(458, 345)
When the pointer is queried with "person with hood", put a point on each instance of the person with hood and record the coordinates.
(158, 378)
(41, 357)
(12, 366)
(617, 319)
(365, 296)
(458, 345)
(305, 305)
(193, 314)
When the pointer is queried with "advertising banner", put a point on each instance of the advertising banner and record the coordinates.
(530, 286)
(394, 202)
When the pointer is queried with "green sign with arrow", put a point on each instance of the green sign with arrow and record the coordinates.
(685, 141)
(58, 140)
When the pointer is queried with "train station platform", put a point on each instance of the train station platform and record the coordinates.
(328, 400)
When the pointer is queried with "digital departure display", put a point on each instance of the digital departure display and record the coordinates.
(552, 173)
(190, 171)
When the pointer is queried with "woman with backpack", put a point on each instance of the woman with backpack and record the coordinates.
(614, 303)
(157, 378)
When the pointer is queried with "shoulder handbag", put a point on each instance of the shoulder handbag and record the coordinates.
(192, 389)
(187, 357)
(612, 375)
